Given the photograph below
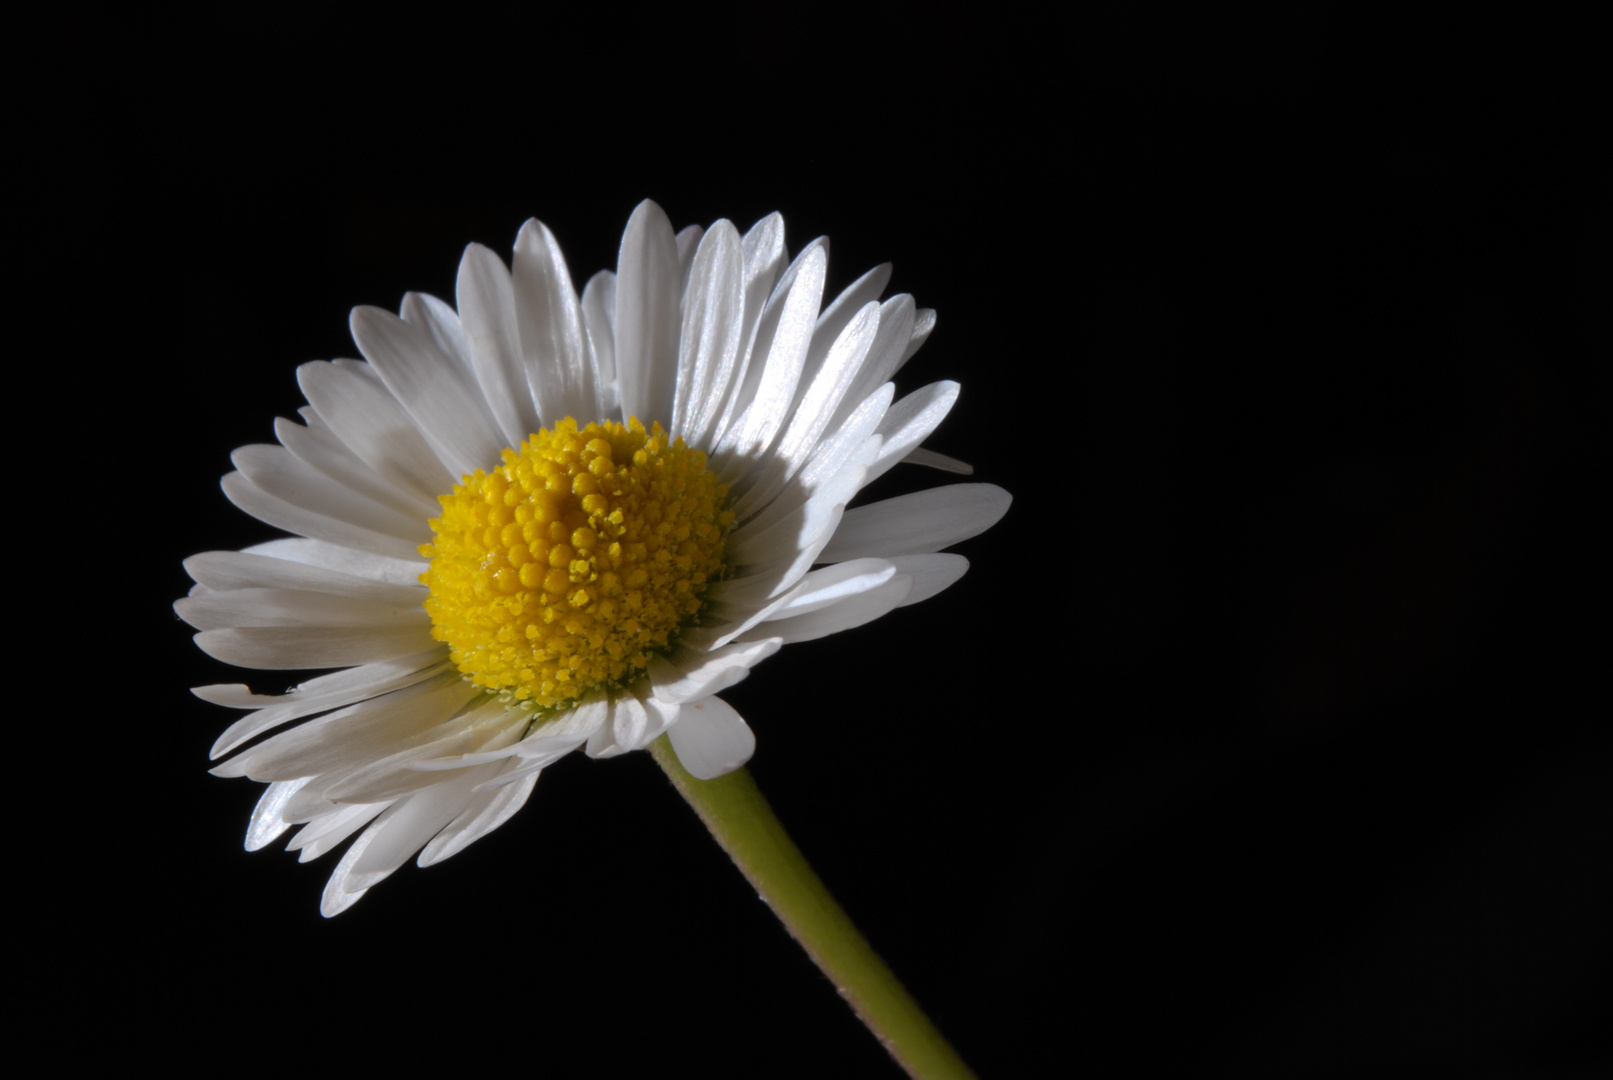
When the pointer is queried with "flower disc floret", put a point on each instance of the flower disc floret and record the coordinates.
(564, 569)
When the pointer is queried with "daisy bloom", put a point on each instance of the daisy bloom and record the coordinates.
(547, 522)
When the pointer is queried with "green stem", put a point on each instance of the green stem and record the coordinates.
(746, 827)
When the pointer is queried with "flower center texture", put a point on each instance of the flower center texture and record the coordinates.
(562, 570)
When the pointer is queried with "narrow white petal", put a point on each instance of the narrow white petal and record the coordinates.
(688, 242)
(439, 321)
(839, 315)
(921, 456)
(281, 474)
(322, 834)
(543, 749)
(390, 775)
(414, 822)
(679, 680)
(487, 312)
(337, 897)
(812, 412)
(800, 528)
(341, 741)
(293, 517)
(449, 411)
(553, 338)
(227, 570)
(307, 804)
(647, 315)
(919, 523)
(851, 611)
(332, 691)
(832, 584)
(319, 448)
(292, 607)
(266, 823)
(485, 812)
(909, 422)
(711, 739)
(763, 255)
(344, 560)
(930, 573)
(622, 730)
(818, 589)
(923, 326)
(599, 314)
(580, 722)
(782, 338)
(896, 318)
(266, 648)
(350, 397)
(709, 344)
(853, 445)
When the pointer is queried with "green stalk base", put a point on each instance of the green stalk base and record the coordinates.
(746, 827)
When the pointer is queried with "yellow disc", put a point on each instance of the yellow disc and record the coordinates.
(563, 569)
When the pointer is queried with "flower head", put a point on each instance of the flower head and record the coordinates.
(548, 522)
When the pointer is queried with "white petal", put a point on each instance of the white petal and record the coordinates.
(319, 448)
(763, 253)
(337, 898)
(662, 716)
(450, 412)
(781, 539)
(688, 241)
(291, 607)
(853, 610)
(281, 474)
(711, 739)
(487, 312)
(350, 397)
(896, 318)
(292, 517)
(832, 584)
(266, 823)
(411, 824)
(783, 335)
(440, 322)
(227, 570)
(854, 445)
(647, 315)
(909, 422)
(485, 812)
(623, 730)
(348, 738)
(552, 335)
(266, 648)
(709, 344)
(921, 456)
(839, 315)
(539, 749)
(923, 326)
(930, 573)
(599, 314)
(706, 674)
(344, 560)
(316, 695)
(915, 524)
(811, 414)
(323, 833)
(818, 589)
(383, 776)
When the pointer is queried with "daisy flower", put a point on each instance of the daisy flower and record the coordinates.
(549, 522)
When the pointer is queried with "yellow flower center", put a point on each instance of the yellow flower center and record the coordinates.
(563, 569)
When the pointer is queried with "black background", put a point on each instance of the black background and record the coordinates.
(1261, 735)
